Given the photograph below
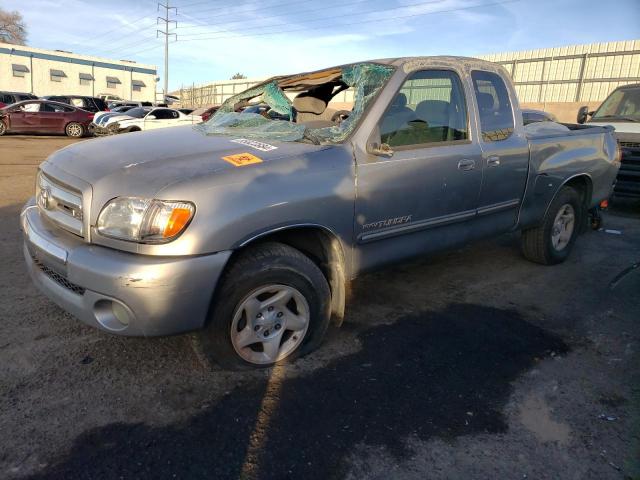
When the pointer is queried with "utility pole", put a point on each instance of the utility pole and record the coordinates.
(167, 34)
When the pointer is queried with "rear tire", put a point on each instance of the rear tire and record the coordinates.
(249, 326)
(551, 242)
(74, 130)
(3, 128)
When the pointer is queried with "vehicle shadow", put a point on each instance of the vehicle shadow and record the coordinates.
(431, 374)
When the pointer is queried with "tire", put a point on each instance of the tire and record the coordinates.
(243, 332)
(74, 130)
(134, 129)
(551, 242)
(3, 128)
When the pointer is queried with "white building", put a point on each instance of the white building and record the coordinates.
(56, 72)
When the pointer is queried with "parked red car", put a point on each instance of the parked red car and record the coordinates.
(42, 116)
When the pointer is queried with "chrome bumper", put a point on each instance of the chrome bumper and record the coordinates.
(119, 292)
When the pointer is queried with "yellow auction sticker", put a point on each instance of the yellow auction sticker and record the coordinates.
(242, 159)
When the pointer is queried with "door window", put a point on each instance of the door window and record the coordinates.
(164, 114)
(429, 108)
(30, 107)
(494, 106)
(52, 107)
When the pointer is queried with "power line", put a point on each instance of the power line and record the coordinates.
(430, 2)
(261, 8)
(193, 4)
(334, 25)
(128, 25)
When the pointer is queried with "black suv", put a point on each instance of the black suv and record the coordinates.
(90, 104)
(7, 98)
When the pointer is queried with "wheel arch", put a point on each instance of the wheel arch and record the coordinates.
(580, 182)
(322, 246)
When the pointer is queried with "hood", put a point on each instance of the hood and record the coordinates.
(143, 163)
(621, 127)
(118, 117)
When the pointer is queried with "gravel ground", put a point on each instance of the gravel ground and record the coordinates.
(470, 364)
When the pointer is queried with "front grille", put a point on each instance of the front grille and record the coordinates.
(628, 182)
(57, 277)
(60, 204)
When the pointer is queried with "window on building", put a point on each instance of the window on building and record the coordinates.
(137, 85)
(56, 75)
(19, 70)
(494, 106)
(429, 108)
(113, 82)
(86, 79)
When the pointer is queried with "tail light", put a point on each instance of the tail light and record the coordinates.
(91, 115)
(106, 109)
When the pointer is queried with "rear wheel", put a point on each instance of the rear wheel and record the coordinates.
(551, 242)
(3, 128)
(272, 306)
(74, 129)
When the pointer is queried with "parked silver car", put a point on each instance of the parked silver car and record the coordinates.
(248, 228)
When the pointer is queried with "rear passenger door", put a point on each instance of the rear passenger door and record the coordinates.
(53, 117)
(420, 198)
(505, 153)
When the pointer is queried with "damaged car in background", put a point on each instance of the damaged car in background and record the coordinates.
(247, 229)
(141, 118)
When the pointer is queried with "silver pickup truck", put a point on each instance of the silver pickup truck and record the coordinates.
(247, 229)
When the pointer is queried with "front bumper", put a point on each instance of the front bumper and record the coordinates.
(119, 292)
(102, 131)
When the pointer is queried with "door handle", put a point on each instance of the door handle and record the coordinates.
(466, 164)
(493, 161)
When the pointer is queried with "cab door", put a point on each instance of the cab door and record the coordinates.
(505, 154)
(420, 197)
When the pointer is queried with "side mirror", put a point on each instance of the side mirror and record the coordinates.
(150, 117)
(583, 114)
(382, 150)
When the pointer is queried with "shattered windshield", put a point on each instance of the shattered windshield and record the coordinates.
(318, 107)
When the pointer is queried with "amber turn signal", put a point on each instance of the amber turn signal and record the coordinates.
(177, 221)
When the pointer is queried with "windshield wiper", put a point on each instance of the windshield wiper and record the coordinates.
(618, 117)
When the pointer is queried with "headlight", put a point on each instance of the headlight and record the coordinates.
(143, 220)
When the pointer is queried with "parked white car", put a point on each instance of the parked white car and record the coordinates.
(142, 118)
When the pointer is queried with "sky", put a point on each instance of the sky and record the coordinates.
(260, 38)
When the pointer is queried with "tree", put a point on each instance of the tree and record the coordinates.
(238, 76)
(12, 28)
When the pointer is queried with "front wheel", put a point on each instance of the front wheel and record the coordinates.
(74, 130)
(551, 242)
(3, 128)
(273, 305)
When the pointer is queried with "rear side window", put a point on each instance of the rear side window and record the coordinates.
(6, 99)
(164, 114)
(494, 106)
(429, 109)
(99, 103)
